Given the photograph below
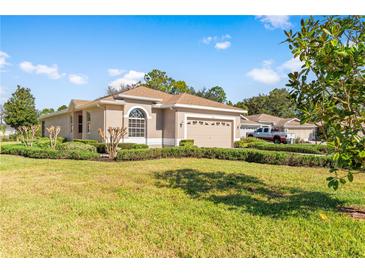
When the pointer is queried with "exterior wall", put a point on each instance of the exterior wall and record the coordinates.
(306, 134)
(63, 121)
(168, 127)
(96, 122)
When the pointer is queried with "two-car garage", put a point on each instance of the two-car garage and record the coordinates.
(210, 132)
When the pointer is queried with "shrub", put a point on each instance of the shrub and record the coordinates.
(249, 140)
(299, 148)
(44, 142)
(186, 143)
(132, 146)
(86, 141)
(47, 153)
(77, 146)
(249, 155)
(100, 147)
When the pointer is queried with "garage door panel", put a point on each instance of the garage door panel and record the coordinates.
(209, 132)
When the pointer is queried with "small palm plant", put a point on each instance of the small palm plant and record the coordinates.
(112, 138)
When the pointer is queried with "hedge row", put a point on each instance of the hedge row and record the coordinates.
(299, 148)
(249, 155)
(47, 153)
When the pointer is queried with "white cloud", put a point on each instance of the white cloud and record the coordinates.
(265, 74)
(275, 21)
(293, 64)
(3, 59)
(51, 71)
(219, 42)
(222, 45)
(115, 72)
(129, 78)
(78, 79)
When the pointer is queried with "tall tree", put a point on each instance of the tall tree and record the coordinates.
(46, 111)
(159, 80)
(62, 107)
(278, 102)
(20, 109)
(329, 89)
(215, 93)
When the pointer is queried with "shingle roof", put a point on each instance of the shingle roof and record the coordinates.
(277, 121)
(171, 99)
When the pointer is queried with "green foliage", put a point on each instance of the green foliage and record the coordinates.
(68, 146)
(132, 146)
(44, 142)
(278, 102)
(299, 148)
(46, 111)
(244, 142)
(216, 93)
(249, 155)
(159, 80)
(186, 143)
(63, 107)
(329, 89)
(86, 141)
(47, 153)
(20, 109)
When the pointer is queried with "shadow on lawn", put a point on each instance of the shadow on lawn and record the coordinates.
(246, 193)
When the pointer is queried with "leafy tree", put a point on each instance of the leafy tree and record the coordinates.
(20, 109)
(159, 80)
(278, 102)
(62, 107)
(46, 111)
(216, 93)
(111, 90)
(329, 89)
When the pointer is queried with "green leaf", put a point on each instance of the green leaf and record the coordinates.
(350, 177)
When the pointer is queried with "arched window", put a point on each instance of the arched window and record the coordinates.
(136, 123)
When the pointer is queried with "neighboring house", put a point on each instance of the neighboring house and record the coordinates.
(151, 117)
(306, 132)
(7, 132)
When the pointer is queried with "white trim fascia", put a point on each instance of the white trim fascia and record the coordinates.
(65, 111)
(98, 103)
(139, 98)
(201, 107)
(209, 116)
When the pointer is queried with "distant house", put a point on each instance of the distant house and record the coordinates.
(306, 132)
(151, 117)
(7, 132)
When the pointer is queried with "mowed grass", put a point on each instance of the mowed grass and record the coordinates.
(174, 208)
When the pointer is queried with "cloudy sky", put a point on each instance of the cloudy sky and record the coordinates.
(66, 57)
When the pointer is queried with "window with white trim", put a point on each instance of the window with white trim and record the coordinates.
(136, 123)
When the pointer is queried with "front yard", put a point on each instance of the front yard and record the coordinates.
(174, 208)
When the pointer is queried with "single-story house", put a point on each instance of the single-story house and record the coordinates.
(306, 132)
(151, 117)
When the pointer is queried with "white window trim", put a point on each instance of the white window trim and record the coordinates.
(132, 108)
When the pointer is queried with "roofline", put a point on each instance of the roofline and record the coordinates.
(139, 98)
(98, 103)
(199, 107)
(60, 112)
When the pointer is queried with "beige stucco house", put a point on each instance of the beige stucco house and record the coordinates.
(151, 117)
(306, 132)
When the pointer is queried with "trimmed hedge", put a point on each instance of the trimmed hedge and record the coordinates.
(186, 143)
(44, 142)
(44, 153)
(244, 142)
(86, 141)
(249, 155)
(299, 148)
(77, 146)
(132, 146)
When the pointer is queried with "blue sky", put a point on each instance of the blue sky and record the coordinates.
(66, 57)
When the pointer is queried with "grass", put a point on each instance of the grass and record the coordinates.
(174, 208)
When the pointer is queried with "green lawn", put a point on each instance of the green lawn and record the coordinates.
(174, 208)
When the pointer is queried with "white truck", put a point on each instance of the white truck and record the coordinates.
(269, 134)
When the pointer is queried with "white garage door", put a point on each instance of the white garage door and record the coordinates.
(210, 133)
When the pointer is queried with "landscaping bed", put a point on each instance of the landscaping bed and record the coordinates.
(297, 148)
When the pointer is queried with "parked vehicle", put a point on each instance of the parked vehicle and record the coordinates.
(272, 134)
